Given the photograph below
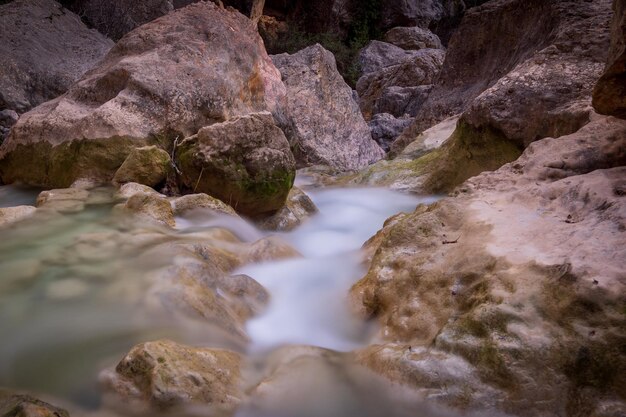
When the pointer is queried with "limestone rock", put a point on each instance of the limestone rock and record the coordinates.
(212, 68)
(401, 101)
(378, 55)
(420, 12)
(151, 206)
(131, 188)
(245, 162)
(413, 38)
(532, 315)
(9, 215)
(539, 88)
(320, 117)
(67, 200)
(186, 203)
(45, 48)
(386, 128)
(297, 209)
(609, 95)
(164, 374)
(148, 165)
(422, 68)
(22, 405)
(7, 119)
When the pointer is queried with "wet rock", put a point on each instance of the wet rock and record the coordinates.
(151, 206)
(319, 116)
(246, 162)
(540, 88)
(609, 95)
(401, 101)
(65, 200)
(148, 165)
(271, 248)
(386, 128)
(21, 405)
(9, 215)
(458, 283)
(421, 69)
(45, 49)
(131, 188)
(186, 203)
(298, 208)
(163, 374)
(413, 38)
(378, 55)
(145, 92)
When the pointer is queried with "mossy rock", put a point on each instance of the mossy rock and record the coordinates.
(147, 165)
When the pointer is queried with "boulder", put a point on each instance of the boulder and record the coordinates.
(319, 116)
(147, 165)
(401, 101)
(212, 68)
(413, 38)
(163, 374)
(386, 128)
(67, 200)
(421, 68)
(9, 215)
(297, 209)
(423, 13)
(45, 48)
(131, 188)
(539, 88)
(22, 405)
(529, 321)
(7, 119)
(190, 202)
(152, 207)
(245, 161)
(379, 55)
(609, 95)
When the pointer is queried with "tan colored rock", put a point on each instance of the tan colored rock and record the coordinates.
(22, 405)
(65, 200)
(9, 215)
(516, 281)
(245, 162)
(201, 201)
(131, 188)
(298, 208)
(145, 92)
(152, 207)
(163, 374)
(148, 165)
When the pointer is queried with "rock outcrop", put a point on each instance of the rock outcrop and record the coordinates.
(45, 48)
(147, 91)
(245, 162)
(480, 310)
(319, 116)
(22, 405)
(609, 96)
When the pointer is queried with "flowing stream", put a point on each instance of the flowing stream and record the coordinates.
(75, 289)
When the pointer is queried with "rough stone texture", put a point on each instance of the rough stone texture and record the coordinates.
(186, 203)
(378, 55)
(413, 38)
(539, 88)
(319, 116)
(297, 209)
(213, 67)
(131, 188)
(148, 165)
(21, 405)
(150, 206)
(164, 374)
(67, 200)
(531, 308)
(245, 162)
(421, 68)
(609, 95)
(386, 128)
(44, 49)
(7, 119)
(400, 101)
(117, 18)
(420, 12)
(9, 215)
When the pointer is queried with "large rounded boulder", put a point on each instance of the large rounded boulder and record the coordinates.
(165, 80)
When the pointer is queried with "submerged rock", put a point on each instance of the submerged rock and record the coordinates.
(297, 209)
(66, 200)
(9, 215)
(164, 374)
(145, 92)
(319, 116)
(148, 165)
(245, 161)
(45, 48)
(151, 206)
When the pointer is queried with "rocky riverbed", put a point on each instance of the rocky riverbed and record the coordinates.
(192, 226)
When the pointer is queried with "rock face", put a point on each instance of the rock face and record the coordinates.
(386, 128)
(245, 162)
(26, 406)
(164, 374)
(45, 49)
(378, 55)
(539, 88)
(609, 96)
(501, 314)
(319, 116)
(413, 38)
(212, 68)
(422, 13)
